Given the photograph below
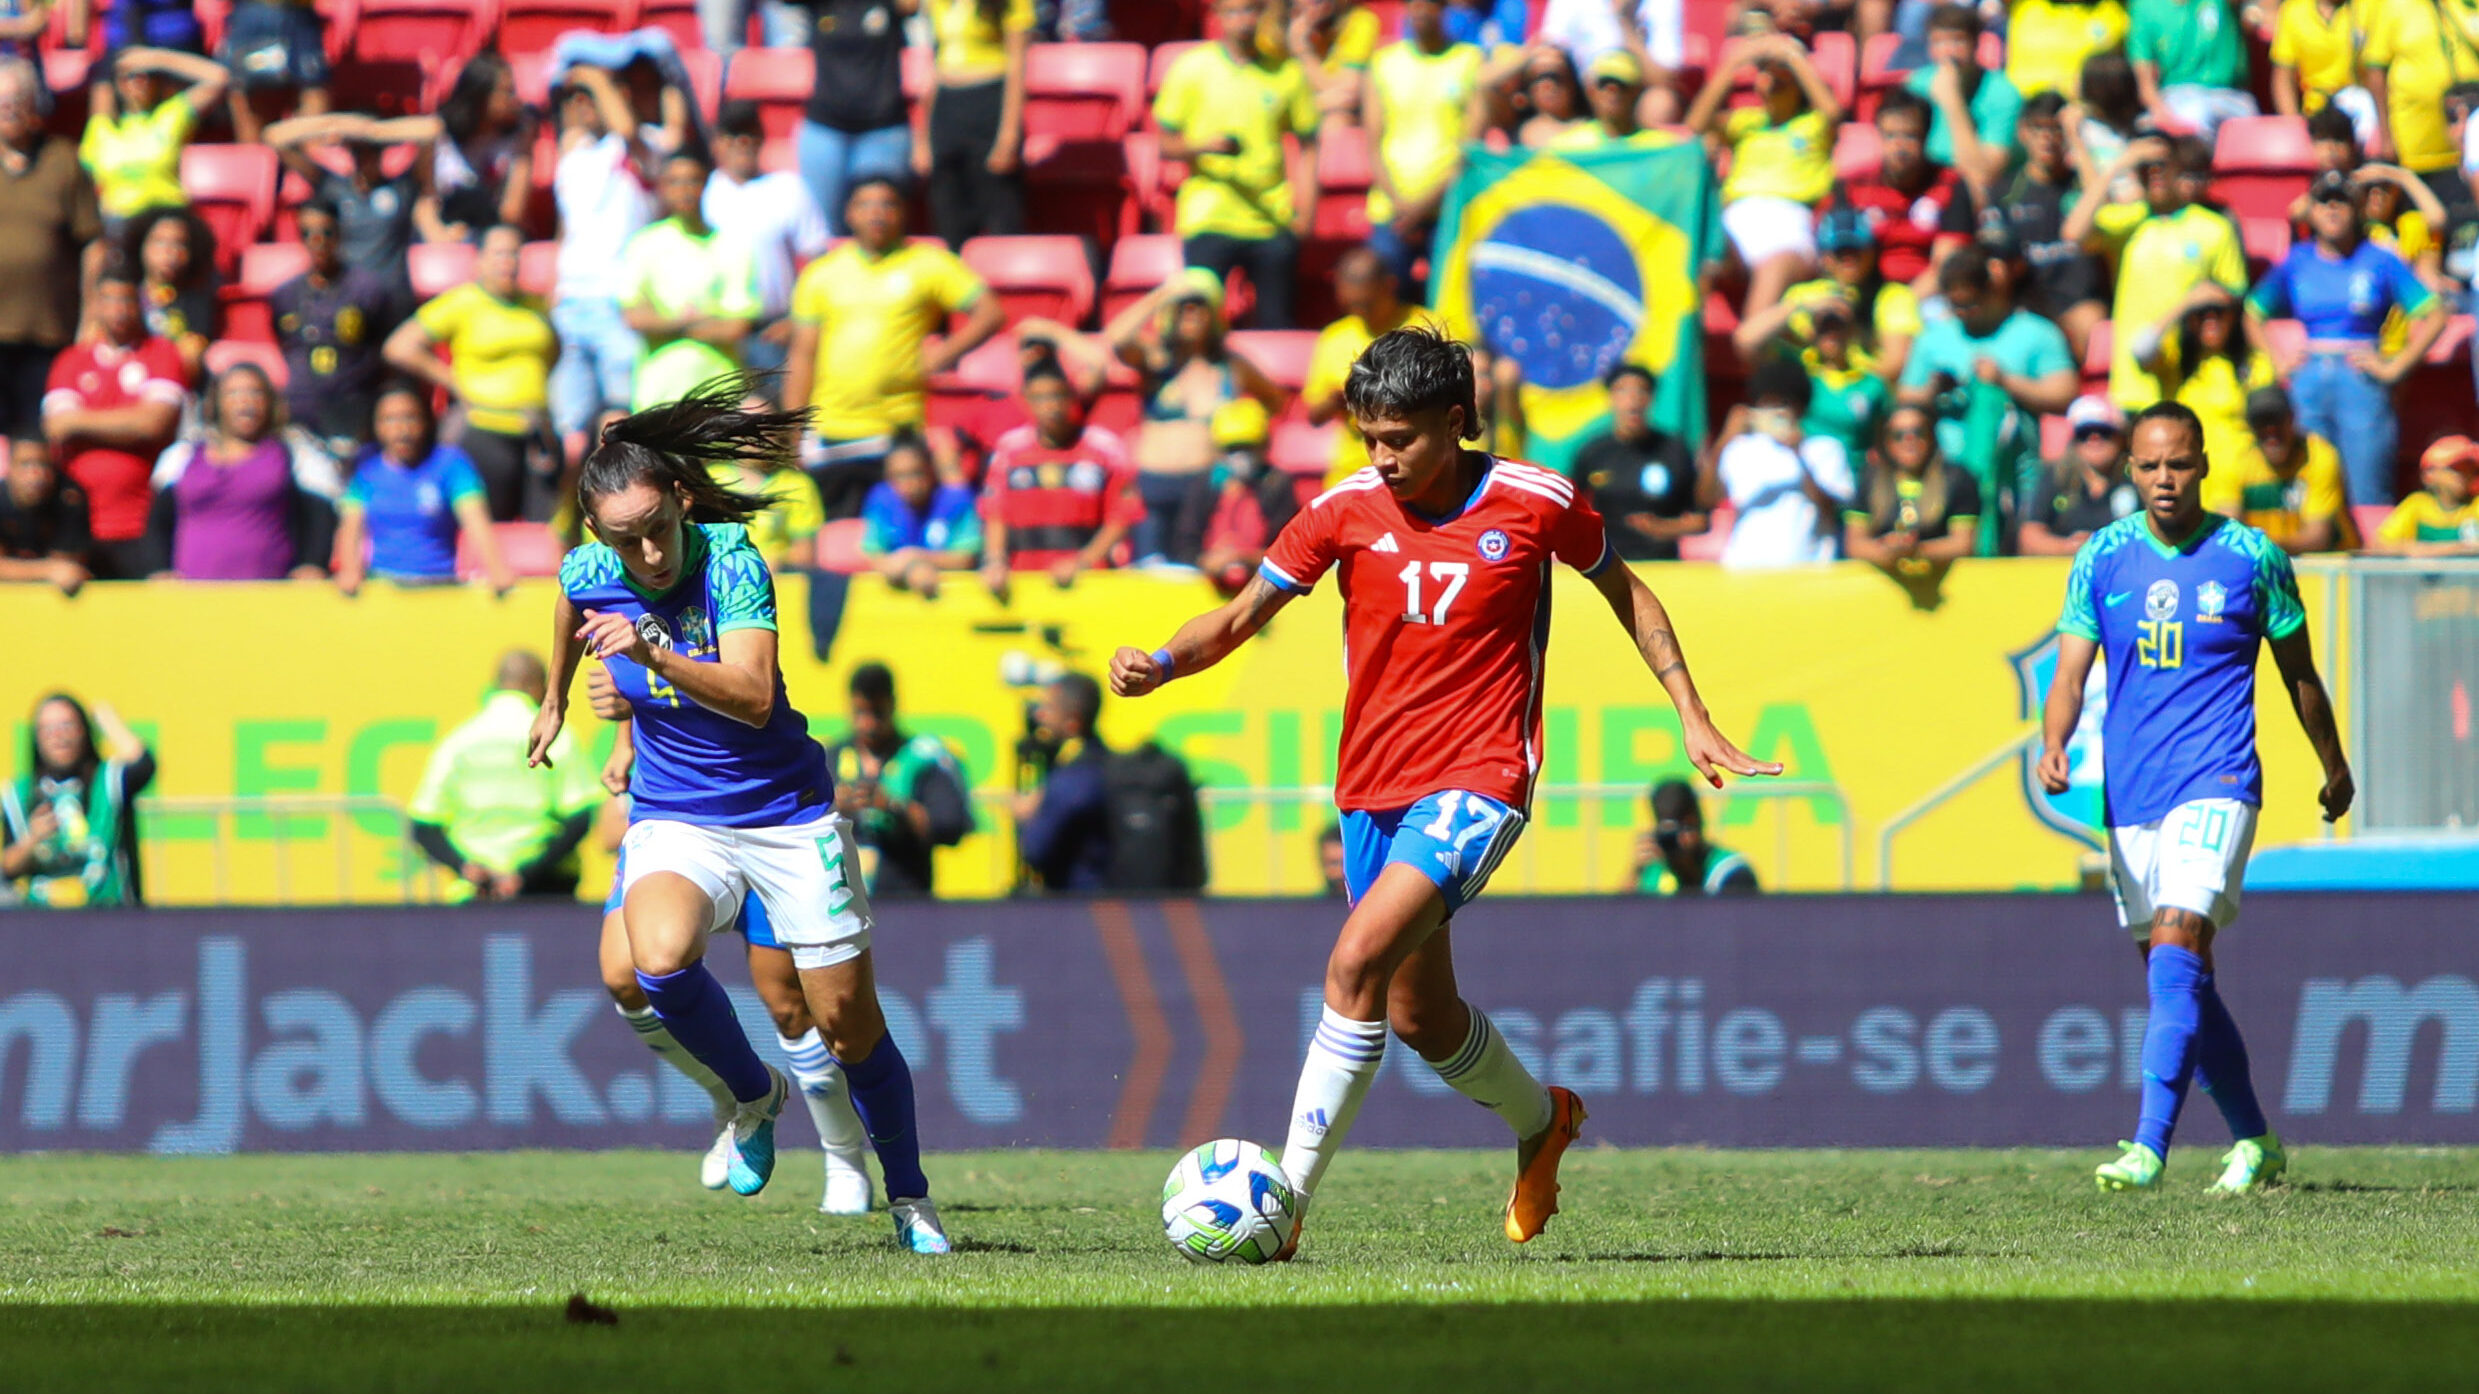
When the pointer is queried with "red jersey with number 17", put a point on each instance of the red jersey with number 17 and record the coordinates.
(1445, 627)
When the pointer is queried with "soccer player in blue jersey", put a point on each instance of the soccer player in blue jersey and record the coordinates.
(778, 986)
(2178, 599)
(731, 796)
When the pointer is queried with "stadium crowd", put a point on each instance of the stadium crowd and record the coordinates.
(344, 291)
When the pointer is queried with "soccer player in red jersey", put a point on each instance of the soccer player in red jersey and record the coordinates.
(1443, 556)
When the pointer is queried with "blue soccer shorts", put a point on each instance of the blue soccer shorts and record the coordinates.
(1454, 837)
(750, 924)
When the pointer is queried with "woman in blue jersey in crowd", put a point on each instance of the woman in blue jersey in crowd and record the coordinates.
(732, 799)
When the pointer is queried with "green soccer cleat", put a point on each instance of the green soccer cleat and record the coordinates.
(2137, 1168)
(2251, 1164)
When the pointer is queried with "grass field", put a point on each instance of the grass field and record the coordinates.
(1672, 1269)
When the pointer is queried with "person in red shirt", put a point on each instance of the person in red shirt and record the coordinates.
(1443, 557)
(1905, 201)
(1059, 495)
(112, 405)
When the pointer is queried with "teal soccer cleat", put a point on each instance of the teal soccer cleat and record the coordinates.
(2251, 1164)
(753, 1137)
(2138, 1168)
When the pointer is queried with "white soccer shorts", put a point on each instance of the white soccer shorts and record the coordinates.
(2193, 859)
(807, 875)
(1762, 227)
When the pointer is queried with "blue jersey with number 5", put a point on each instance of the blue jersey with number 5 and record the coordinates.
(696, 765)
(2178, 630)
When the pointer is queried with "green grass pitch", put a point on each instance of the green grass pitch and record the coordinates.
(1685, 1270)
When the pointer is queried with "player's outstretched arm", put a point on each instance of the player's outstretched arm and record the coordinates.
(1201, 642)
(2295, 656)
(566, 646)
(2064, 708)
(1640, 613)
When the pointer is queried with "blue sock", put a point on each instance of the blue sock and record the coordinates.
(698, 1013)
(2221, 1067)
(882, 1094)
(2177, 978)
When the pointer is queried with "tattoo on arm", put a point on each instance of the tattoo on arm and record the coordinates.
(1662, 651)
(1258, 599)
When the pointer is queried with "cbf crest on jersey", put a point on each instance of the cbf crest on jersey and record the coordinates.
(1493, 545)
(650, 627)
(2161, 601)
(2209, 598)
(696, 631)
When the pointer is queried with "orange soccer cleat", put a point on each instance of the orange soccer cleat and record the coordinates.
(1535, 1197)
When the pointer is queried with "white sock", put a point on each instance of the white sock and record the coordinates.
(1342, 1063)
(822, 1088)
(1485, 1071)
(650, 1029)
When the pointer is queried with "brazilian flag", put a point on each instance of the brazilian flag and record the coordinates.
(1574, 261)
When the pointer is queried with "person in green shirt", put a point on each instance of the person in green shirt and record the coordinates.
(1674, 859)
(691, 289)
(906, 795)
(2190, 60)
(1973, 109)
(503, 828)
(1849, 398)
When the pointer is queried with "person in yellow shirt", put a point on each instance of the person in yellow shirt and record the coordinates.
(973, 161)
(866, 322)
(133, 141)
(498, 373)
(1781, 161)
(2201, 357)
(1372, 305)
(2315, 60)
(786, 534)
(2163, 246)
(1416, 103)
(1224, 108)
(2284, 481)
(2414, 50)
(1333, 41)
(2048, 41)
(2442, 520)
(1884, 315)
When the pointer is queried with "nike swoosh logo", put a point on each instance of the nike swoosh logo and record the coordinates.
(2118, 597)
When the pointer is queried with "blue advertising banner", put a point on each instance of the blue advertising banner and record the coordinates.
(1861, 1021)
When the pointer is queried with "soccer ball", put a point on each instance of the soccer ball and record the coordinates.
(1229, 1202)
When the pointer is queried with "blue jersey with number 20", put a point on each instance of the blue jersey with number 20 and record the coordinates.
(2178, 630)
(696, 765)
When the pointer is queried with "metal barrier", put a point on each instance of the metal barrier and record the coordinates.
(1592, 806)
(339, 819)
(1940, 796)
(2415, 640)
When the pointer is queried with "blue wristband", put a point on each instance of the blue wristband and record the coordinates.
(1169, 666)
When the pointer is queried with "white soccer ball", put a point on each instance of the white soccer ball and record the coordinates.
(1229, 1202)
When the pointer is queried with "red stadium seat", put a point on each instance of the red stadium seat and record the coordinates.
(530, 27)
(995, 369)
(2096, 353)
(2267, 241)
(915, 71)
(232, 187)
(1138, 266)
(388, 87)
(1049, 277)
(529, 549)
(1281, 354)
(1877, 72)
(1345, 171)
(263, 267)
(224, 353)
(839, 546)
(1301, 449)
(1077, 188)
(777, 79)
(435, 33)
(537, 268)
(1084, 91)
(1856, 151)
(705, 70)
(1153, 182)
(1164, 56)
(2261, 164)
(677, 18)
(435, 268)
(1157, 22)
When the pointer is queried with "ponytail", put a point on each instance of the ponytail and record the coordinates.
(671, 447)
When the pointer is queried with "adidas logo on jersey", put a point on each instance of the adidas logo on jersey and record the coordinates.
(1386, 544)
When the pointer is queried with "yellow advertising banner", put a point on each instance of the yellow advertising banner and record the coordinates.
(1873, 700)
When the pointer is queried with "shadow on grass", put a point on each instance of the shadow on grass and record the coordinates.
(1974, 1345)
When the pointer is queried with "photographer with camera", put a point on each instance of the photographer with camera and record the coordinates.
(904, 794)
(1674, 858)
